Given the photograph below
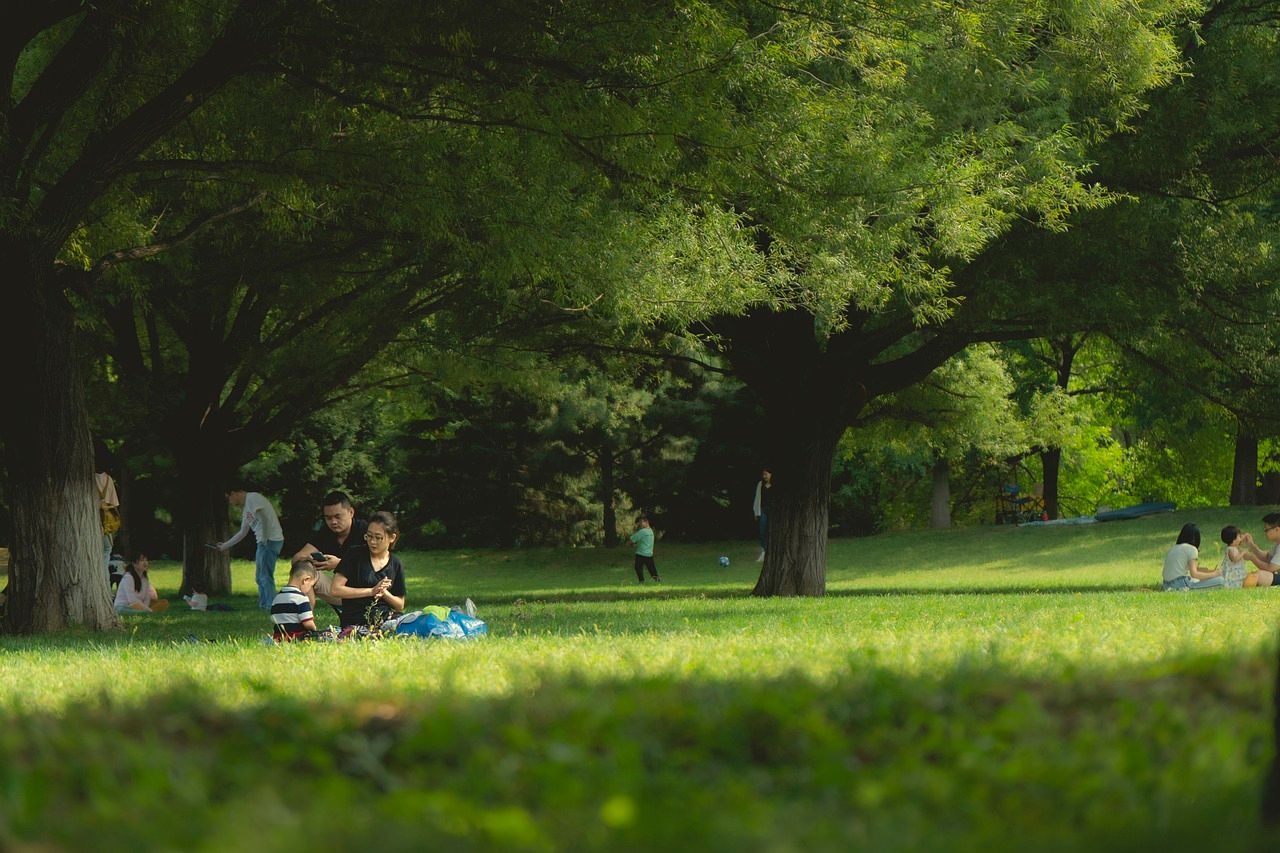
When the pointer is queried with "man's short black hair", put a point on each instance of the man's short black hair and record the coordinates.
(1271, 519)
(338, 499)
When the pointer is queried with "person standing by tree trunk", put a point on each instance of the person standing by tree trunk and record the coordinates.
(108, 501)
(764, 495)
(259, 516)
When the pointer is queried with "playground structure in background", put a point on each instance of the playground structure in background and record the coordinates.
(1014, 506)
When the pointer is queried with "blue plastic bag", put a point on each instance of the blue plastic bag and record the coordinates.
(458, 625)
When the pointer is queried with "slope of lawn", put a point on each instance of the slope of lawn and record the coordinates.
(989, 688)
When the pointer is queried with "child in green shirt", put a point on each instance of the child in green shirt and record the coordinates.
(643, 540)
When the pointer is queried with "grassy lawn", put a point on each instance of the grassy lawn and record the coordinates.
(994, 688)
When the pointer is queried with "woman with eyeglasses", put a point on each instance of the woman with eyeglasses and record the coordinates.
(370, 580)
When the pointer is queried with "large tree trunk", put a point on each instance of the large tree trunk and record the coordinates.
(203, 518)
(608, 492)
(1051, 463)
(795, 560)
(57, 576)
(940, 516)
(1244, 469)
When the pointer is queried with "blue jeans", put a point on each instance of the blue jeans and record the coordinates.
(1184, 584)
(106, 553)
(764, 530)
(265, 560)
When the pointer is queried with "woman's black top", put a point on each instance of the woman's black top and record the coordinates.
(357, 568)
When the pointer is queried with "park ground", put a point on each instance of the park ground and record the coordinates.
(978, 689)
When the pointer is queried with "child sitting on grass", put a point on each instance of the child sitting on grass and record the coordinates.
(1235, 574)
(291, 609)
(135, 594)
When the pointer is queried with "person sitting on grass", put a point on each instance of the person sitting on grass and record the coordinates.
(1182, 564)
(643, 540)
(341, 530)
(1268, 562)
(1235, 572)
(291, 609)
(135, 594)
(370, 580)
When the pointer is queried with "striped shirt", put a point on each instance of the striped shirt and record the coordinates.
(289, 609)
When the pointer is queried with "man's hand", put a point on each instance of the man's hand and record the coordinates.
(329, 563)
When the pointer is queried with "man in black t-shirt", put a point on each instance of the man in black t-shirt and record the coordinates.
(341, 530)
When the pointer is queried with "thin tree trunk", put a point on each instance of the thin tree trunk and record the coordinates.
(203, 521)
(124, 538)
(940, 517)
(608, 497)
(1063, 350)
(1244, 468)
(1051, 463)
(1270, 492)
(57, 575)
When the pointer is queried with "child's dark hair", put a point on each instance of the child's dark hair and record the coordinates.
(1271, 519)
(1189, 535)
(1229, 533)
(387, 520)
(640, 518)
(302, 569)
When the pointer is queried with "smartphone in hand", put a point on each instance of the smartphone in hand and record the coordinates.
(317, 557)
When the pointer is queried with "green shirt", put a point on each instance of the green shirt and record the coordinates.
(643, 539)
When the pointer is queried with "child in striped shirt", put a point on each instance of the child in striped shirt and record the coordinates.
(291, 609)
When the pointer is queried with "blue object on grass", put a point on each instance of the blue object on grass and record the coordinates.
(1135, 511)
(724, 562)
(457, 626)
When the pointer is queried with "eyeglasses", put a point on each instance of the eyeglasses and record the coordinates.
(1265, 528)
(375, 537)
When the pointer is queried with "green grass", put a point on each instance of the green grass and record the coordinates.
(992, 688)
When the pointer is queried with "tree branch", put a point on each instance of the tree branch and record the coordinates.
(252, 30)
(108, 261)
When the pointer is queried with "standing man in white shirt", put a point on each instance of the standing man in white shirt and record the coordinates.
(259, 516)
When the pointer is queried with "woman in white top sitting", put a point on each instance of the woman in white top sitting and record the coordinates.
(1182, 564)
(135, 594)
